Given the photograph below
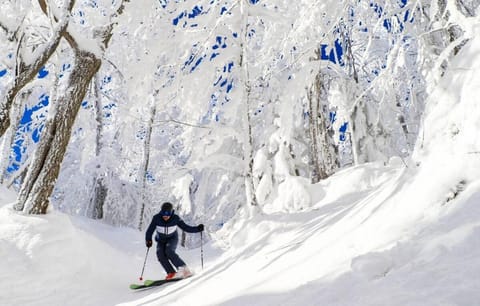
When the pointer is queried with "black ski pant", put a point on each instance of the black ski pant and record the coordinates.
(166, 253)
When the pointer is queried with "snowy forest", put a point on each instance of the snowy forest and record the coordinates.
(228, 109)
(110, 108)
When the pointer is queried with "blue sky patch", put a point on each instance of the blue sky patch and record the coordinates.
(230, 86)
(42, 73)
(28, 127)
(333, 54)
(196, 11)
(333, 117)
(197, 63)
(343, 131)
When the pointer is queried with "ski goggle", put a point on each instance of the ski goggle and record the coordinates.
(166, 213)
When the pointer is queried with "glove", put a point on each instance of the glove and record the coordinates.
(200, 227)
(148, 243)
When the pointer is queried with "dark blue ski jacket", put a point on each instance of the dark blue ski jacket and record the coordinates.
(167, 229)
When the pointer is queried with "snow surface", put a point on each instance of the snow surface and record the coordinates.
(373, 234)
(360, 245)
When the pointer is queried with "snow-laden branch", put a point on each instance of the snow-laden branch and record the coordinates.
(225, 162)
(161, 122)
(29, 65)
(38, 58)
(4, 28)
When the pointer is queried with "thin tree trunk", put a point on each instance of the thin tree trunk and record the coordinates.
(357, 123)
(323, 153)
(358, 135)
(100, 193)
(248, 142)
(9, 136)
(146, 164)
(100, 189)
(313, 106)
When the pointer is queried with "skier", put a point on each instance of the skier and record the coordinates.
(166, 223)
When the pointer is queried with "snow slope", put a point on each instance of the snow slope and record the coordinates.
(375, 234)
(350, 250)
(58, 260)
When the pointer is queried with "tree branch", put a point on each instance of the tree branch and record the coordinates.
(26, 73)
(4, 28)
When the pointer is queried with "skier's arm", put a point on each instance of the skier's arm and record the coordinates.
(150, 230)
(190, 229)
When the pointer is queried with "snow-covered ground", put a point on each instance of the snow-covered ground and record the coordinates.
(366, 241)
(374, 235)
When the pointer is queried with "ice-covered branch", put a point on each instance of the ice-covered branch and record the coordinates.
(28, 67)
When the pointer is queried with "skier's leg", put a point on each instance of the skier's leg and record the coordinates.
(163, 258)
(170, 248)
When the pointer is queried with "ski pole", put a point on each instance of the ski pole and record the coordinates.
(201, 247)
(144, 263)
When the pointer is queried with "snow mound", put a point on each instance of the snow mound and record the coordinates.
(49, 260)
(293, 195)
(6, 195)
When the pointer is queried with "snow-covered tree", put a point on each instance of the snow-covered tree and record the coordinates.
(45, 166)
(212, 105)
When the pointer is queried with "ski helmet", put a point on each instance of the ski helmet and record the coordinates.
(167, 206)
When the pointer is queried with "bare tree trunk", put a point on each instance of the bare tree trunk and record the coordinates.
(349, 58)
(401, 119)
(100, 189)
(248, 142)
(316, 174)
(100, 193)
(318, 132)
(358, 134)
(38, 185)
(98, 117)
(249, 158)
(146, 163)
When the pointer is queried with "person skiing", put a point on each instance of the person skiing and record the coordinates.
(165, 223)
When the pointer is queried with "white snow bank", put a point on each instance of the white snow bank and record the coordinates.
(7, 195)
(293, 195)
(53, 260)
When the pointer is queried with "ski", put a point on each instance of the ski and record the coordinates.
(152, 283)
